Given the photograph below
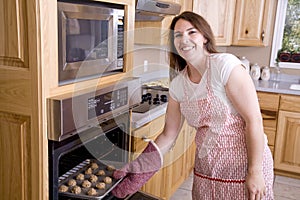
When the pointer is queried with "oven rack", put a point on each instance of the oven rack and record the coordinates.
(74, 170)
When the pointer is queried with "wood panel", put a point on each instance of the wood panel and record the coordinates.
(268, 101)
(14, 167)
(290, 103)
(221, 21)
(287, 149)
(253, 22)
(14, 49)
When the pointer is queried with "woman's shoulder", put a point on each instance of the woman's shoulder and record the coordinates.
(223, 57)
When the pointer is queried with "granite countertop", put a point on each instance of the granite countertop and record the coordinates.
(279, 85)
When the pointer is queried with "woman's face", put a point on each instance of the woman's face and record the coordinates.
(188, 41)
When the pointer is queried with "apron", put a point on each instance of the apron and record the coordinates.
(221, 156)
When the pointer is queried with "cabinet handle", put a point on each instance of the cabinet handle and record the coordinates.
(262, 36)
(146, 139)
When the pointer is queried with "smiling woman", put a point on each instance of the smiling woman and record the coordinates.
(286, 40)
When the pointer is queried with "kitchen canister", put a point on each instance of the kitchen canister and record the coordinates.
(265, 73)
(255, 71)
(246, 63)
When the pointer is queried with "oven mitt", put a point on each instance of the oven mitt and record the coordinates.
(138, 172)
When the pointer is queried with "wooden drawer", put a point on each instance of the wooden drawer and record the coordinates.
(268, 101)
(150, 131)
(290, 103)
(270, 132)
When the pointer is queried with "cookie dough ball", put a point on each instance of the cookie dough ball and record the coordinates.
(63, 188)
(100, 185)
(110, 168)
(101, 172)
(71, 182)
(93, 178)
(86, 184)
(92, 192)
(94, 166)
(88, 171)
(107, 180)
(80, 177)
(76, 189)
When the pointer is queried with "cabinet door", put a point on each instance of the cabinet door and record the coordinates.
(220, 15)
(287, 149)
(21, 156)
(253, 21)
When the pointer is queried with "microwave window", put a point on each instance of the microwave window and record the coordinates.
(86, 39)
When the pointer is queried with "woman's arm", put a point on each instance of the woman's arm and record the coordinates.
(173, 124)
(241, 91)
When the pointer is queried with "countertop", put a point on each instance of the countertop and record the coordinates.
(140, 119)
(279, 83)
(280, 86)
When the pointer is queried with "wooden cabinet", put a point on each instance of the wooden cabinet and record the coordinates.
(28, 74)
(287, 159)
(238, 22)
(269, 103)
(253, 20)
(156, 32)
(21, 163)
(220, 16)
(178, 162)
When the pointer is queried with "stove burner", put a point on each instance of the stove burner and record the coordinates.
(156, 100)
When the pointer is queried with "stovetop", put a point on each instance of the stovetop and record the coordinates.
(151, 107)
(151, 98)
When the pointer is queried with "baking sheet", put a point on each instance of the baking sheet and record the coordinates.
(80, 169)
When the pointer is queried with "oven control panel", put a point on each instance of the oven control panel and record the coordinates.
(104, 103)
(71, 113)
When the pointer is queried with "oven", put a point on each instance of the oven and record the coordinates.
(85, 129)
(90, 39)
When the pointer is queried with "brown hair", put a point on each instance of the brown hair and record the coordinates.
(176, 61)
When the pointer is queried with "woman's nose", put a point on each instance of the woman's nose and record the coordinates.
(185, 39)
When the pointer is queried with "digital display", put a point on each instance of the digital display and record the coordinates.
(107, 102)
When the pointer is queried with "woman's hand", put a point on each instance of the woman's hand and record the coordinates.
(256, 185)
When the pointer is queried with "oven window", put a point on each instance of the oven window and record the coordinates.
(86, 39)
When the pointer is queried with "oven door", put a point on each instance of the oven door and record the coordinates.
(88, 40)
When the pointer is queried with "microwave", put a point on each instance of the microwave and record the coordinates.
(90, 40)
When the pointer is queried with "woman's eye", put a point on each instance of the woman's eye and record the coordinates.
(192, 32)
(177, 35)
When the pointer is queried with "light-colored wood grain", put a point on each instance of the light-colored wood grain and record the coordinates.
(15, 168)
(14, 49)
(252, 19)
(287, 143)
(268, 101)
(28, 74)
(220, 16)
(290, 103)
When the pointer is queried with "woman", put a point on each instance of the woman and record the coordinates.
(215, 94)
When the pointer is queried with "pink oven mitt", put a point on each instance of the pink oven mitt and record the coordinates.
(138, 172)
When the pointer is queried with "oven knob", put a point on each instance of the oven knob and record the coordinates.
(144, 98)
(156, 101)
(163, 98)
(149, 96)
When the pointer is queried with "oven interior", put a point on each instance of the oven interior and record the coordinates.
(106, 142)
